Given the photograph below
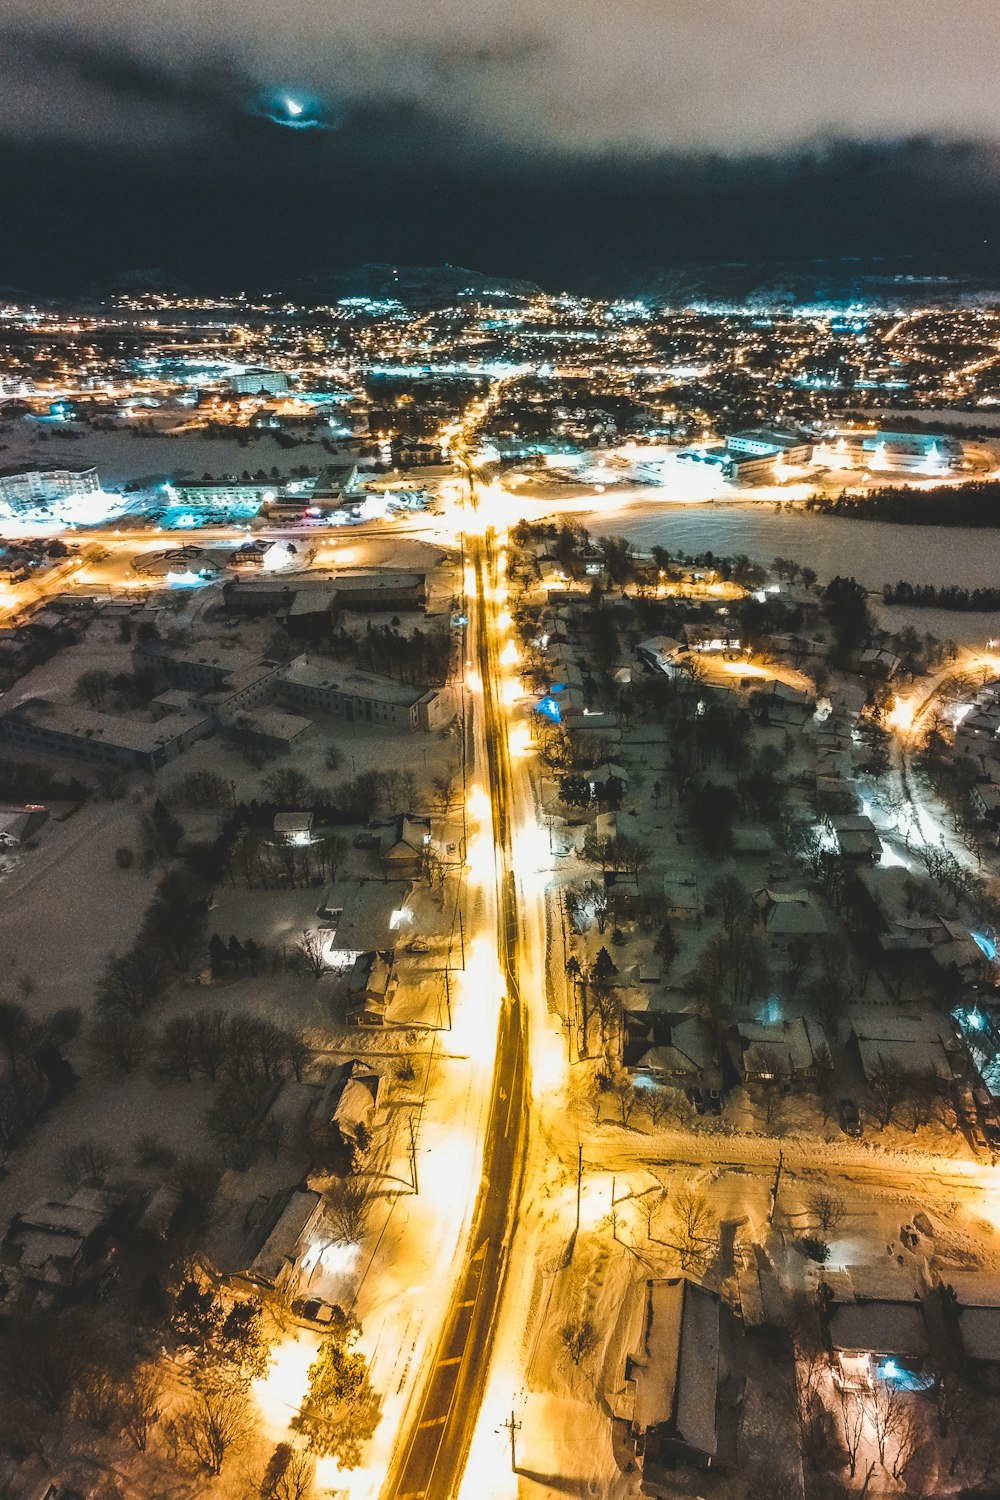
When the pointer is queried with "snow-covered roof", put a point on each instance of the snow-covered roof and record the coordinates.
(781, 1049)
(878, 1327)
(283, 1242)
(980, 1331)
(912, 1047)
(676, 1371)
(788, 913)
(354, 1108)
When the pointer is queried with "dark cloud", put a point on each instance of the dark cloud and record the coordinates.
(566, 76)
(571, 140)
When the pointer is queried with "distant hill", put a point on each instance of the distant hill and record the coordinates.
(416, 286)
(146, 280)
(774, 284)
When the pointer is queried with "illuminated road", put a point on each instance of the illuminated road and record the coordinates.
(432, 1455)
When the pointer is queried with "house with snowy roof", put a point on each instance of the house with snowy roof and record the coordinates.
(668, 1403)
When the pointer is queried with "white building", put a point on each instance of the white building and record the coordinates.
(254, 382)
(25, 488)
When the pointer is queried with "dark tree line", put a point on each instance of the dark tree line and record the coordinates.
(976, 504)
(949, 596)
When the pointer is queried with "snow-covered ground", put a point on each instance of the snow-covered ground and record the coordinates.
(122, 458)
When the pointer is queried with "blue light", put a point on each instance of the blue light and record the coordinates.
(293, 114)
(985, 945)
(550, 708)
(905, 1380)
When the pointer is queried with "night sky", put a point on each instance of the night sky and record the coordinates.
(578, 143)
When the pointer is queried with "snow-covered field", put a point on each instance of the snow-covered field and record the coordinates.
(873, 552)
(122, 458)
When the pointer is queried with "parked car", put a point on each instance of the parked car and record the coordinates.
(850, 1120)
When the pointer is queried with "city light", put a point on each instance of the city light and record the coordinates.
(902, 714)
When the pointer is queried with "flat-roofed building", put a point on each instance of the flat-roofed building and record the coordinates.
(222, 683)
(773, 443)
(322, 687)
(381, 590)
(259, 382)
(104, 739)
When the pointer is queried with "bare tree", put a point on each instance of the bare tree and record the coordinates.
(827, 1209)
(119, 1038)
(732, 898)
(86, 1164)
(852, 1418)
(310, 949)
(888, 1089)
(177, 1047)
(141, 1405)
(656, 1102)
(910, 1436)
(347, 1208)
(289, 1475)
(694, 1228)
(214, 1423)
(649, 1205)
(624, 1091)
(884, 1409)
(579, 1339)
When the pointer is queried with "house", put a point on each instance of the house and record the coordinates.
(714, 636)
(281, 1239)
(18, 824)
(660, 653)
(912, 1048)
(946, 945)
(358, 697)
(878, 663)
(856, 837)
(270, 730)
(985, 798)
(663, 1047)
(874, 1337)
(668, 1404)
(781, 703)
(359, 1098)
(293, 827)
(404, 847)
(362, 917)
(796, 1048)
(787, 915)
(369, 988)
(342, 1116)
(680, 895)
(57, 1246)
(752, 843)
(309, 614)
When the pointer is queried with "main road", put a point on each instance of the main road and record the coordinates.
(432, 1454)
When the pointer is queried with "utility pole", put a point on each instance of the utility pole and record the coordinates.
(447, 995)
(513, 1426)
(413, 1156)
(774, 1190)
